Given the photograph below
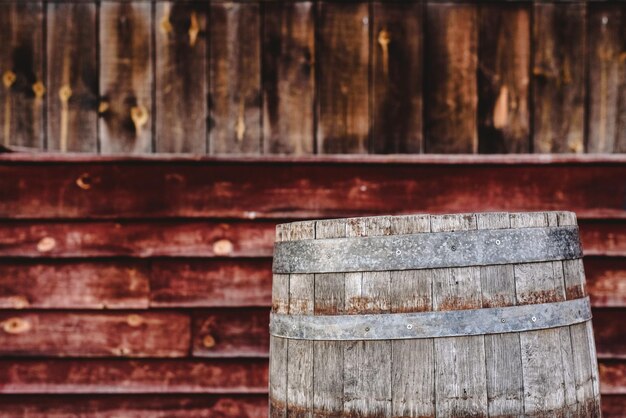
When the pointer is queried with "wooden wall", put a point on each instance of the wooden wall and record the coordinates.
(141, 287)
(313, 77)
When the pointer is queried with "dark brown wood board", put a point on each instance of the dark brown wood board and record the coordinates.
(503, 78)
(100, 376)
(606, 48)
(450, 71)
(180, 32)
(313, 189)
(235, 79)
(126, 77)
(342, 57)
(72, 70)
(288, 77)
(94, 334)
(558, 82)
(23, 89)
(397, 77)
(133, 406)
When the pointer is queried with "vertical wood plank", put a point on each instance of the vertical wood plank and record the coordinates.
(544, 381)
(21, 68)
(450, 67)
(343, 78)
(559, 77)
(181, 82)
(126, 77)
(300, 352)
(367, 364)
(234, 78)
(503, 359)
(328, 355)
(288, 78)
(503, 78)
(606, 118)
(397, 77)
(278, 346)
(413, 361)
(460, 377)
(72, 71)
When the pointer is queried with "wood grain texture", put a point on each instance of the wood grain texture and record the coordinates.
(503, 78)
(85, 334)
(605, 281)
(141, 239)
(397, 71)
(288, 77)
(231, 333)
(315, 189)
(181, 82)
(234, 78)
(460, 375)
(608, 332)
(100, 376)
(413, 382)
(126, 77)
(133, 406)
(505, 387)
(450, 68)
(606, 44)
(342, 78)
(22, 70)
(367, 364)
(559, 77)
(72, 71)
(204, 283)
(74, 284)
(328, 359)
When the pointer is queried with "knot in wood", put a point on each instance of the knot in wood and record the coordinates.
(139, 116)
(84, 181)
(134, 320)
(208, 341)
(223, 247)
(46, 244)
(39, 89)
(8, 78)
(65, 92)
(16, 325)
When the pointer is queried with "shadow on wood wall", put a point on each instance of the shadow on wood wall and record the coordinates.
(313, 77)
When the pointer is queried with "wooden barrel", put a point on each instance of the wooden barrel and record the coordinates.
(465, 315)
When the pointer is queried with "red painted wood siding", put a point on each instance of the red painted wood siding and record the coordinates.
(141, 286)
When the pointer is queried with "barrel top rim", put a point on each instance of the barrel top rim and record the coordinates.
(402, 215)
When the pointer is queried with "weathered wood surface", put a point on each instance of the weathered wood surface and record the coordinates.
(129, 334)
(133, 406)
(76, 284)
(126, 77)
(22, 70)
(235, 78)
(157, 189)
(180, 82)
(397, 77)
(342, 75)
(92, 376)
(231, 333)
(288, 77)
(72, 84)
(450, 71)
(559, 56)
(202, 283)
(190, 238)
(606, 42)
(503, 78)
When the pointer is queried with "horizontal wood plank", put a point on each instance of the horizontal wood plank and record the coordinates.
(202, 283)
(133, 376)
(231, 333)
(191, 238)
(300, 189)
(606, 281)
(613, 406)
(608, 326)
(86, 334)
(133, 406)
(74, 284)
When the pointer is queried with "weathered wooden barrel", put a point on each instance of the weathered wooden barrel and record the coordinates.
(468, 315)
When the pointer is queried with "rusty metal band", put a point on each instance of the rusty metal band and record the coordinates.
(431, 324)
(427, 250)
